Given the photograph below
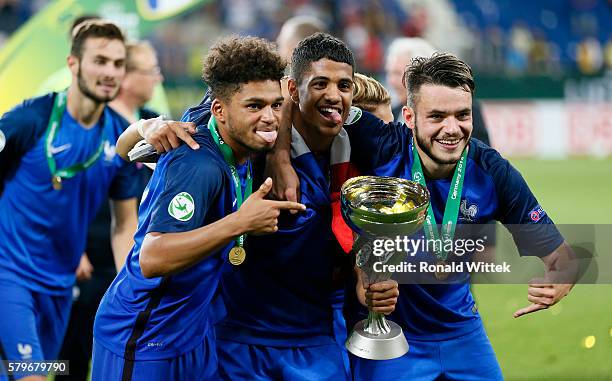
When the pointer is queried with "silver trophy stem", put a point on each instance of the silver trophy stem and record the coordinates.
(377, 324)
(376, 338)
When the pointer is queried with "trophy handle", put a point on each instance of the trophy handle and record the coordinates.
(376, 324)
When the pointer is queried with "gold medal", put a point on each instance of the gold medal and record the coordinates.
(56, 181)
(237, 255)
(441, 275)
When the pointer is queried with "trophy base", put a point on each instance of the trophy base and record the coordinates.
(377, 347)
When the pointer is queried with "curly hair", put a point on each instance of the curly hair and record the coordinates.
(93, 28)
(440, 69)
(233, 61)
(368, 93)
(316, 47)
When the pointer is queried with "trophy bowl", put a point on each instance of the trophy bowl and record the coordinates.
(378, 208)
(364, 200)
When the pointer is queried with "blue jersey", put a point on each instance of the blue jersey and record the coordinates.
(285, 293)
(42, 230)
(492, 190)
(158, 318)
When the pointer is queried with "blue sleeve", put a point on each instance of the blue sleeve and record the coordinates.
(374, 143)
(125, 183)
(532, 229)
(20, 129)
(190, 189)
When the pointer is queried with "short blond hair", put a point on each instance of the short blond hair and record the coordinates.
(368, 93)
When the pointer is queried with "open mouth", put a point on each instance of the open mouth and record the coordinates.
(332, 114)
(449, 143)
(267, 136)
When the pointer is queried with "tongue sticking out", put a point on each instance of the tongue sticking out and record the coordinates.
(336, 117)
(268, 136)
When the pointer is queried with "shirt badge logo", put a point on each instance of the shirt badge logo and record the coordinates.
(353, 116)
(468, 212)
(25, 350)
(537, 213)
(109, 151)
(55, 150)
(181, 207)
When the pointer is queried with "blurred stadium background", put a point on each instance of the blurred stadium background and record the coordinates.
(543, 72)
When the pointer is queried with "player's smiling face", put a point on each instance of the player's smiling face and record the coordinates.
(442, 121)
(324, 95)
(100, 69)
(251, 116)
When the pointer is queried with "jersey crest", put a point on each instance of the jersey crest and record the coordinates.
(181, 207)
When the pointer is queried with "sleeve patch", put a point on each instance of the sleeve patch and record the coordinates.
(537, 213)
(353, 116)
(181, 206)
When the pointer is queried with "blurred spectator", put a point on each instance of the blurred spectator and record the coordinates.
(518, 51)
(608, 53)
(399, 54)
(417, 22)
(295, 30)
(539, 54)
(589, 56)
(142, 74)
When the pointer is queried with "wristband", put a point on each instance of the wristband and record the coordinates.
(139, 126)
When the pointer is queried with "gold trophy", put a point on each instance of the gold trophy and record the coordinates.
(380, 208)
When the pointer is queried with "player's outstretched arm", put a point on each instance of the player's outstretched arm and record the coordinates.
(560, 276)
(164, 135)
(168, 253)
(379, 297)
(278, 160)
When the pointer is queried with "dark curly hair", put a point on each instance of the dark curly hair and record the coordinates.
(233, 61)
(440, 69)
(316, 47)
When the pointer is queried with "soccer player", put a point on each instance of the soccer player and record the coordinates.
(298, 334)
(441, 321)
(57, 164)
(97, 269)
(154, 322)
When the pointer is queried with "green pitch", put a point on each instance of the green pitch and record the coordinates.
(552, 344)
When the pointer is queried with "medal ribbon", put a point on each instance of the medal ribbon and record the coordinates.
(59, 106)
(451, 210)
(228, 156)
